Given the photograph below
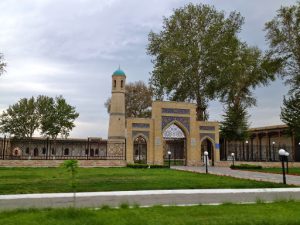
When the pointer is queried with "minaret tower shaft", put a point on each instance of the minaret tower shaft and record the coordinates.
(116, 130)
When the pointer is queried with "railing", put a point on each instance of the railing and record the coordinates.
(60, 149)
(254, 152)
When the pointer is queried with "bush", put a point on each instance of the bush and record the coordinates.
(246, 167)
(138, 166)
(158, 166)
(144, 166)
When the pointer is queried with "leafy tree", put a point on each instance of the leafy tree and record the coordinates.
(191, 52)
(51, 117)
(248, 69)
(290, 113)
(2, 64)
(57, 117)
(138, 99)
(20, 120)
(235, 125)
(72, 167)
(284, 40)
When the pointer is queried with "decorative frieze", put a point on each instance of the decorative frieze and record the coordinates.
(207, 127)
(140, 125)
(175, 111)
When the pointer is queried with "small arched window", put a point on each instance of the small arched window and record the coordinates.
(115, 83)
(66, 152)
(122, 83)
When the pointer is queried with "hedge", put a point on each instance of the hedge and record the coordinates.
(246, 167)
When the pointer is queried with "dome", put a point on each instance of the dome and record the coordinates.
(119, 72)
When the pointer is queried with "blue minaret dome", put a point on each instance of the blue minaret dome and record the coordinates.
(119, 72)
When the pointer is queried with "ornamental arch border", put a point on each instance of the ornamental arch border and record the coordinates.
(179, 125)
(213, 147)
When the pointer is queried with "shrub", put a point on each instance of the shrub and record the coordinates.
(246, 167)
(158, 166)
(138, 166)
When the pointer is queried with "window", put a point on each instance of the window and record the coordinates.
(121, 83)
(53, 151)
(44, 151)
(97, 151)
(115, 83)
(27, 150)
(86, 151)
(66, 151)
(92, 152)
(36, 152)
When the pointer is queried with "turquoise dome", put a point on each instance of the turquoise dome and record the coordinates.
(119, 72)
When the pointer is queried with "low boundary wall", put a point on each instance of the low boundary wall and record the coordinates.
(263, 164)
(56, 163)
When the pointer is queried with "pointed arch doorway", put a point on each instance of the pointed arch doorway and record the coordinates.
(175, 142)
(207, 145)
(140, 150)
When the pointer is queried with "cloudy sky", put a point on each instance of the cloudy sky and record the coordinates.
(71, 48)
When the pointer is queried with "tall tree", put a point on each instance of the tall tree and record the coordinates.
(20, 120)
(290, 113)
(283, 35)
(248, 69)
(138, 99)
(191, 51)
(51, 117)
(57, 116)
(235, 125)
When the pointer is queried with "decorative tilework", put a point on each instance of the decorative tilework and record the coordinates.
(140, 125)
(136, 133)
(185, 121)
(203, 135)
(175, 111)
(207, 128)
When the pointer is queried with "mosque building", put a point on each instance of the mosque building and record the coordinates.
(172, 129)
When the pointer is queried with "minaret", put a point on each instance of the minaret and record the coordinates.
(116, 130)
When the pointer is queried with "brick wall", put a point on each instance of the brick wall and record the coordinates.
(56, 163)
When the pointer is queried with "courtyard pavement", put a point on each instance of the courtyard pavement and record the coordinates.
(224, 171)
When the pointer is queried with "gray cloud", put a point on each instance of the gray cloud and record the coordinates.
(71, 48)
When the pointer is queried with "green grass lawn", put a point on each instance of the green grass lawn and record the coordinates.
(285, 213)
(292, 171)
(47, 180)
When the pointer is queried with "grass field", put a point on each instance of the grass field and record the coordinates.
(292, 171)
(285, 213)
(47, 180)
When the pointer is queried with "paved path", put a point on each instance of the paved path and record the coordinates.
(148, 198)
(224, 171)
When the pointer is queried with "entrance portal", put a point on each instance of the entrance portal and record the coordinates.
(140, 150)
(175, 142)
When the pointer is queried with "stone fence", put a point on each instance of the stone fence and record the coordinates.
(263, 164)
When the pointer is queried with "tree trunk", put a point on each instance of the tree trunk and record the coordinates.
(201, 111)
